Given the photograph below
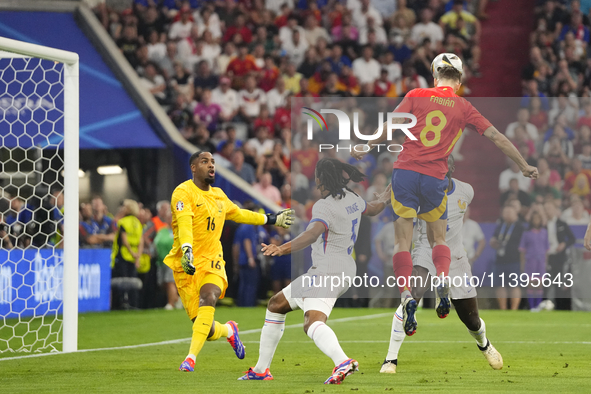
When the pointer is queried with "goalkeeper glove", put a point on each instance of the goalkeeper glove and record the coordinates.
(283, 218)
(187, 260)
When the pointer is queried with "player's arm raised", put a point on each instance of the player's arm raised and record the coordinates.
(284, 218)
(511, 151)
(382, 200)
(302, 241)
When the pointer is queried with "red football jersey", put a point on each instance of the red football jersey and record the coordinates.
(442, 117)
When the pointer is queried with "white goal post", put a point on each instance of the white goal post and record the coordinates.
(70, 281)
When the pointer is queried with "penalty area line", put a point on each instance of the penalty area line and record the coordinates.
(183, 340)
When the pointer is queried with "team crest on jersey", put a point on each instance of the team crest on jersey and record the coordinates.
(462, 205)
(180, 206)
(220, 206)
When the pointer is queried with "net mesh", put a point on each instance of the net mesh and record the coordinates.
(31, 203)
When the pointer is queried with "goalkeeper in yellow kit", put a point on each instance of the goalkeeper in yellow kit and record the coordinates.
(198, 215)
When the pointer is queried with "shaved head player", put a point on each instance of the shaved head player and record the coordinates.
(196, 259)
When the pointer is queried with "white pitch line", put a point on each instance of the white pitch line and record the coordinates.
(175, 341)
(413, 341)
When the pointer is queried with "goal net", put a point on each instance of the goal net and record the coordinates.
(38, 198)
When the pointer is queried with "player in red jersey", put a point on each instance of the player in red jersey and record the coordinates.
(418, 180)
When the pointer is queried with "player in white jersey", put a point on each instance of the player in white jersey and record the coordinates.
(332, 233)
(462, 294)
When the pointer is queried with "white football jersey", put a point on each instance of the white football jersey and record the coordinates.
(341, 218)
(458, 199)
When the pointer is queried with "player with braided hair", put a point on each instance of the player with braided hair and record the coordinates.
(332, 233)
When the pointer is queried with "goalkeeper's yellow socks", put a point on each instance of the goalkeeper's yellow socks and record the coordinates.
(201, 328)
(220, 330)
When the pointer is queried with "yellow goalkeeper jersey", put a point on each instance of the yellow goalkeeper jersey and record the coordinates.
(208, 210)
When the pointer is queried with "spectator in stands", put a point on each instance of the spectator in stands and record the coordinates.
(247, 241)
(242, 169)
(310, 64)
(292, 78)
(155, 83)
(129, 43)
(564, 112)
(277, 96)
(576, 213)
(5, 241)
(240, 67)
(533, 247)
(223, 155)
(515, 192)
(238, 27)
(513, 173)
(426, 28)
(206, 112)
(128, 248)
(560, 239)
(226, 98)
(225, 58)
(204, 78)
(537, 116)
(266, 188)
(531, 90)
(570, 179)
(250, 100)
(275, 164)
(182, 81)
(261, 143)
(585, 156)
(179, 113)
(472, 235)
(18, 218)
(181, 29)
(166, 63)
(96, 230)
(553, 176)
(269, 74)
(366, 69)
(162, 245)
(156, 47)
(523, 121)
(506, 240)
(198, 135)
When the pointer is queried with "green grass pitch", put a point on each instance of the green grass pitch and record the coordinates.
(543, 352)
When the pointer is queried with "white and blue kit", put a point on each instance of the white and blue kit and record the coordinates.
(458, 199)
(331, 254)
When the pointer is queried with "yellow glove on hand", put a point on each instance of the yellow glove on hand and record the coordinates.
(187, 260)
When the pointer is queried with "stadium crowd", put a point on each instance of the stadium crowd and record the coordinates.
(552, 130)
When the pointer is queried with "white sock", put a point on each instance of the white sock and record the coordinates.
(192, 357)
(396, 336)
(270, 336)
(326, 340)
(230, 330)
(404, 295)
(480, 335)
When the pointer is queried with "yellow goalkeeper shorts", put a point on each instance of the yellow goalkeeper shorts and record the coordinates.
(189, 286)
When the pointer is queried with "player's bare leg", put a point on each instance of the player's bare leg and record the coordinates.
(206, 329)
(467, 310)
(271, 334)
(402, 261)
(326, 340)
(397, 334)
(441, 259)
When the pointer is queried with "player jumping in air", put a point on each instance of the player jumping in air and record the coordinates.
(198, 215)
(418, 180)
(332, 233)
(459, 196)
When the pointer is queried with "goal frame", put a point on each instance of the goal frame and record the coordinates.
(71, 165)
